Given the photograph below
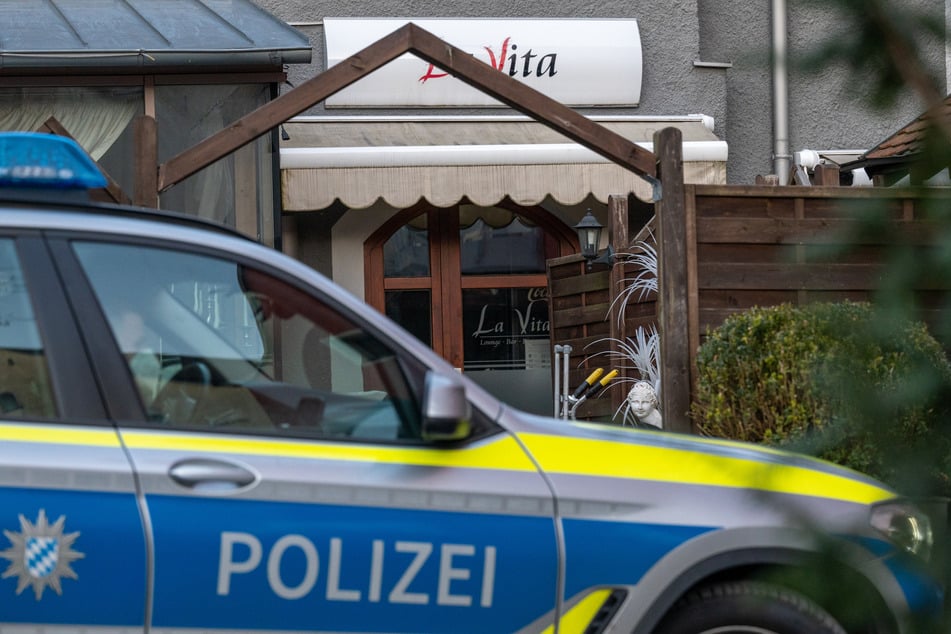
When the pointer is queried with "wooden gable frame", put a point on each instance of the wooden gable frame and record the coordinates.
(407, 39)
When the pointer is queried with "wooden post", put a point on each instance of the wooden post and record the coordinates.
(145, 189)
(618, 232)
(825, 175)
(246, 217)
(672, 282)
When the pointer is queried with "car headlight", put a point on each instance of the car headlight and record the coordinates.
(906, 526)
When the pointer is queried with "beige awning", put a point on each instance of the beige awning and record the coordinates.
(360, 160)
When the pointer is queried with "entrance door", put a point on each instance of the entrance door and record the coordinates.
(470, 282)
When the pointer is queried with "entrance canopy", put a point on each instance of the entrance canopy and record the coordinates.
(359, 160)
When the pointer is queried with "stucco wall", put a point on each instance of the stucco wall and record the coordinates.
(826, 110)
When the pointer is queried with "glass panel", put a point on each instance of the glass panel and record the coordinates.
(406, 253)
(99, 118)
(507, 345)
(413, 311)
(510, 249)
(24, 379)
(236, 190)
(505, 328)
(232, 347)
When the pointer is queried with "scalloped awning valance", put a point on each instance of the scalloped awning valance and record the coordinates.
(483, 159)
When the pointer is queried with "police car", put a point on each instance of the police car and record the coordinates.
(200, 434)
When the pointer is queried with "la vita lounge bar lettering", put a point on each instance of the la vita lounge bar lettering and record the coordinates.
(527, 323)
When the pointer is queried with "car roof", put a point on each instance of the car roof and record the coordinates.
(78, 202)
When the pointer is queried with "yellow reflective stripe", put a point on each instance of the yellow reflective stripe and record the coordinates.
(579, 617)
(592, 457)
(58, 434)
(499, 452)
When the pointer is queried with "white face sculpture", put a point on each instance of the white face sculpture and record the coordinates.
(642, 399)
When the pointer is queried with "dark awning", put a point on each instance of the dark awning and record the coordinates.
(154, 35)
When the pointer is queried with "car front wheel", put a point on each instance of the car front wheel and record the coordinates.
(747, 607)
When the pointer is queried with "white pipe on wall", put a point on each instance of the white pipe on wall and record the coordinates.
(780, 94)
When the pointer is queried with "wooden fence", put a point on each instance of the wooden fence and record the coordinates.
(742, 246)
(763, 246)
(585, 315)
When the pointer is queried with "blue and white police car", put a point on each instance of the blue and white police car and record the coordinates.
(200, 434)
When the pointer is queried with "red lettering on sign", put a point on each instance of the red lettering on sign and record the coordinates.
(544, 66)
(497, 64)
(431, 74)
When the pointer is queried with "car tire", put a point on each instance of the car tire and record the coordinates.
(747, 607)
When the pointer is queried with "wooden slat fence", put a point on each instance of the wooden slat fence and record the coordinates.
(580, 303)
(764, 246)
(747, 246)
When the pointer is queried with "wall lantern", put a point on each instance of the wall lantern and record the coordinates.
(589, 236)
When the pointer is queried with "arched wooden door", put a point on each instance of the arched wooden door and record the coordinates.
(470, 282)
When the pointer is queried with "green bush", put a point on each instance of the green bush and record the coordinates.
(836, 380)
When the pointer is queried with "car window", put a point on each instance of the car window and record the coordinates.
(215, 344)
(24, 378)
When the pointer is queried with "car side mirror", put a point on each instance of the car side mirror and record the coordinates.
(445, 409)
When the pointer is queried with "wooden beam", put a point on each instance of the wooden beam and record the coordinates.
(693, 289)
(618, 232)
(555, 115)
(673, 287)
(145, 140)
(409, 39)
(290, 104)
(112, 192)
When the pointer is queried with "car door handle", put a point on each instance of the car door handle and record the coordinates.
(207, 474)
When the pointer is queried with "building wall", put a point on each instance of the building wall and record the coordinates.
(828, 108)
(709, 57)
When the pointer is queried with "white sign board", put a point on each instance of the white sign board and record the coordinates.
(576, 62)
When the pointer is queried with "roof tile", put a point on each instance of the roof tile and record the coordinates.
(909, 139)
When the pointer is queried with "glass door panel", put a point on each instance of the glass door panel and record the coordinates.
(406, 253)
(413, 311)
(506, 334)
(510, 249)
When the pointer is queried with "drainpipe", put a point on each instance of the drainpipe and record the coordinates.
(780, 95)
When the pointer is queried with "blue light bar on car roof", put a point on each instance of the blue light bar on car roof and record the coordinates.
(34, 159)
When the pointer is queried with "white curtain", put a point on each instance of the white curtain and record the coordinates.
(95, 117)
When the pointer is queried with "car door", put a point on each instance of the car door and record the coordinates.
(72, 550)
(280, 452)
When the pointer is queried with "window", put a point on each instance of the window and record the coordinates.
(215, 344)
(236, 190)
(470, 282)
(24, 378)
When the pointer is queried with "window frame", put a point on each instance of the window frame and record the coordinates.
(446, 280)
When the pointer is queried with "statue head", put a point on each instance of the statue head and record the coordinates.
(642, 399)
